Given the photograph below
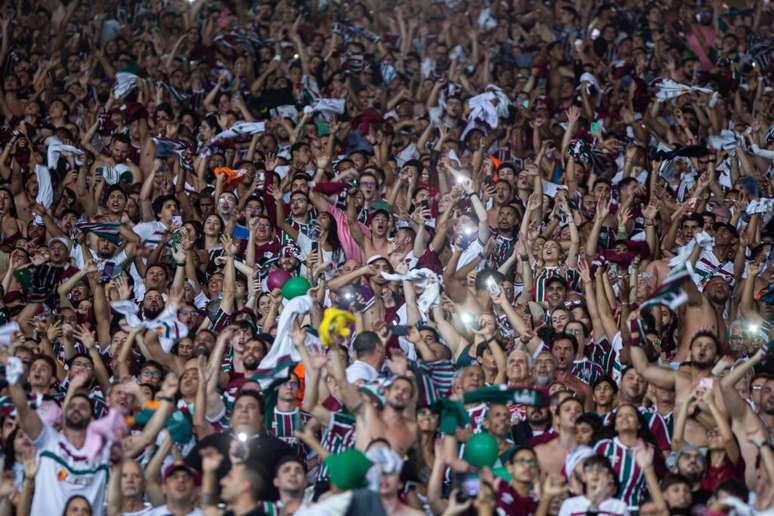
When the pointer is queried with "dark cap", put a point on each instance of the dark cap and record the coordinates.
(182, 466)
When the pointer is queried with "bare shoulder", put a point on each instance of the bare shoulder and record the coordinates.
(405, 510)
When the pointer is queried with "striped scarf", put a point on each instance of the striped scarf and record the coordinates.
(671, 292)
(110, 231)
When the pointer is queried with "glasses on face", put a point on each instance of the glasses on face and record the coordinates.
(152, 374)
(298, 202)
(292, 384)
(368, 183)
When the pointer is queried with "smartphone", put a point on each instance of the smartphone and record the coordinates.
(489, 181)
(107, 272)
(468, 486)
(315, 246)
(400, 330)
(100, 171)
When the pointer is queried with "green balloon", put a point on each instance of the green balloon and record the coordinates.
(295, 286)
(481, 450)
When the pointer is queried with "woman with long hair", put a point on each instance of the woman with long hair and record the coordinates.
(77, 505)
(630, 434)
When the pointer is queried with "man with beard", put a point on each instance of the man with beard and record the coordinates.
(704, 349)
(116, 166)
(395, 421)
(507, 225)
(552, 454)
(537, 423)
(545, 369)
(565, 349)
(152, 304)
(691, 464)
(717, 290)
(62, 471)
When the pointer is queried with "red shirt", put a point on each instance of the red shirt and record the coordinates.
(717, 474)
(514, 504)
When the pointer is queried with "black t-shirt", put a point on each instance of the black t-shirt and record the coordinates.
(265, 451)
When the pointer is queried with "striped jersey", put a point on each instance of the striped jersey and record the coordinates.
(630, 476)
(580, 505)
(337, 437)
(658, 425)
(478, 415)
(434, 379)
(586, 370)
(285, 424)
(570, 276)
(708, 265)
(601, 352)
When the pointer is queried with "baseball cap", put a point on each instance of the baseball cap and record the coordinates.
(182, 466)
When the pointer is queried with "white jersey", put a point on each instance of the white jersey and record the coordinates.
(162, 510)
(65, 471)
(579, 505)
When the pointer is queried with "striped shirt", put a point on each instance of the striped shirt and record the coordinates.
(337, 437)
(570, 276)
(602, 353)
(586, 370)
(285, 424)
(478, 415)
(658, 425)
(709, 265)
(630, 476)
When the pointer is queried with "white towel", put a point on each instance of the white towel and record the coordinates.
(239, 129)
(125, 82)
(166, 326)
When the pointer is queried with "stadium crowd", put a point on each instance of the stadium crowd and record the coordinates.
(400, 257)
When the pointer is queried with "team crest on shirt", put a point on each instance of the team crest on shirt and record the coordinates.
(507, 498)
(61, 475)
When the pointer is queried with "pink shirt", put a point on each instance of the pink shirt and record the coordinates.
(348, 244)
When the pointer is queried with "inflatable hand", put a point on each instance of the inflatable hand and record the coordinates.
(335, 323)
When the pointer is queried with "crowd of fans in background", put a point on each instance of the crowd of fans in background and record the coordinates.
(329, 257)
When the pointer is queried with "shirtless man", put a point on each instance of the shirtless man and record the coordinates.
(552, 455)
(118, 160)
(395, 421)
(703, 348)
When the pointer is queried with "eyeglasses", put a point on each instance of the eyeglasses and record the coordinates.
(368, 183)
(292, 384)
(152, 374)
(298, 202)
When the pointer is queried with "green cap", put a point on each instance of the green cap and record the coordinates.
(347, 470)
